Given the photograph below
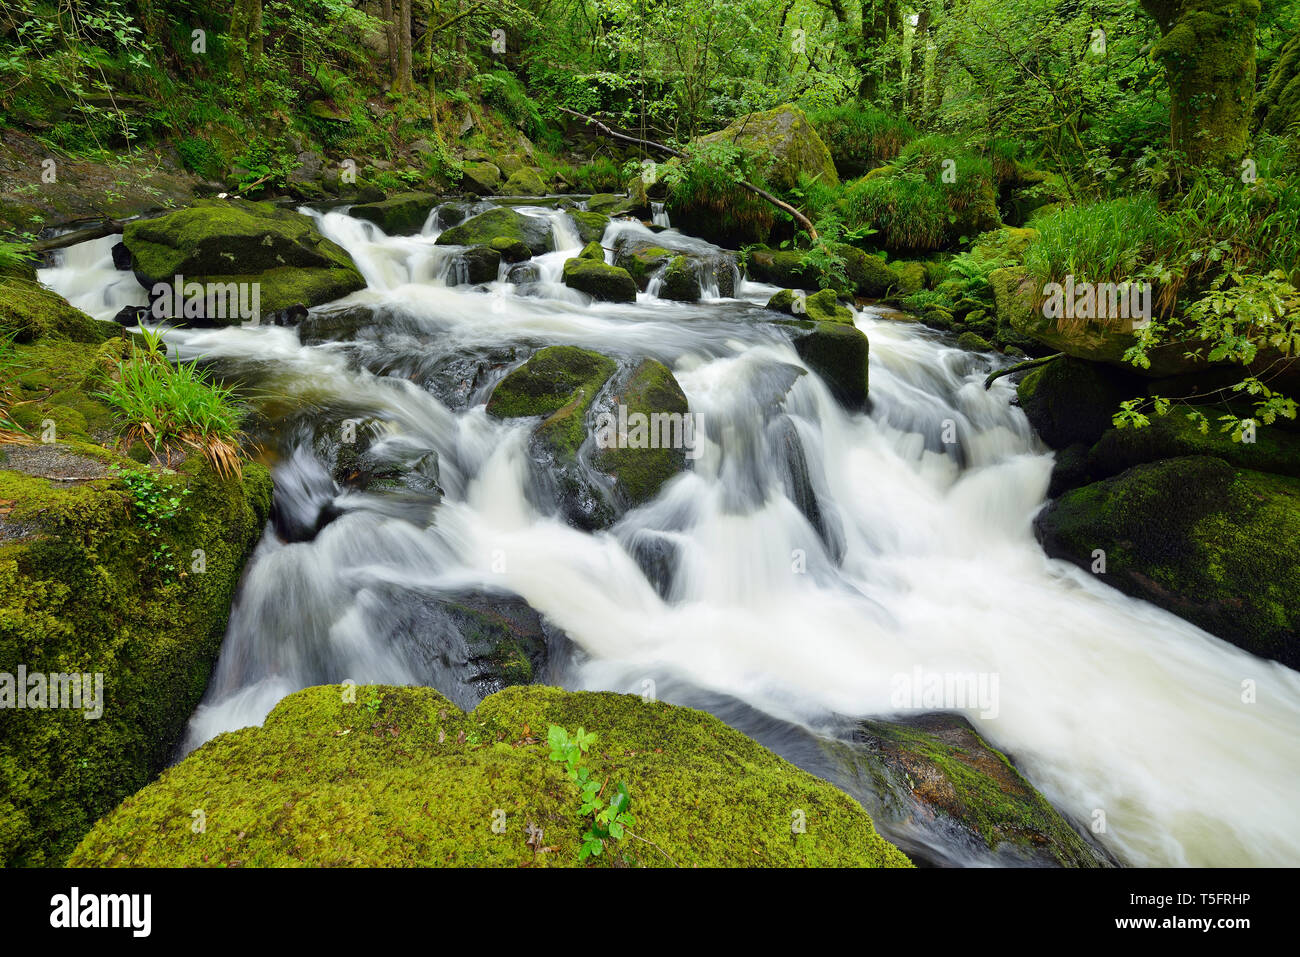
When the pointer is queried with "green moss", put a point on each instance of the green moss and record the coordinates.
(591, 226)
(511, 250)
(559, 382)
(501, 221)
(822, 306)
(972, 342)
(641, 260)
(593, 251)
(33, 312)
(524, 182)
(416, 782)
(681, 280)
(600, 280)
(839, 353)
(1216, 545)
(1069, 400)
(81, 592)
(911, 278)
(640, 473)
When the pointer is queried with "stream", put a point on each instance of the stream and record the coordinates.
(921, 560)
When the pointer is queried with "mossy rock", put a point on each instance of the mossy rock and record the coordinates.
(591, 226)
(511, 250)
(938, 766)
(608, 204)
(786, 144)
(839, 353)
(500, 222)
(640, 472)
(478, 264)
(401, 777)
(681, 281)
(33, 312)
(243, 242)
(480, 178)
(641, 259)
(599, 280)
(593, 251)
(868, 275)
(821, 306)
(560, 383)
(911, 278)
(972, 342)
(1216, 545)
(510, 163)
(402, 214)
(86, 590)
(1070, 400)
(524, 182)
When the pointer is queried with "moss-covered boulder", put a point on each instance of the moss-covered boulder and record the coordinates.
(478, 789)
(501, 222)
(590, 226)
(609, 204)
(86, 589)
(1069, 400)
(641, 464)
(402, 214)
(641, 258)
(786, 144)
(479, 178)
(935, 770)
(599, 280)
(821, 306)
(681, 280)
(911, 278)
(1216, 545)
(524, 182)
(511, 250)
(839, 353)
(973, 342)
(593, 251)
(559, 383)
(222, 242)
(31, 312)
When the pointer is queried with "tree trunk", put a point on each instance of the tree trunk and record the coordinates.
(1208, 54)
(245, 36)
(916, 72)
(402, 82)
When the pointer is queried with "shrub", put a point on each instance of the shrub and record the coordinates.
(859, 136)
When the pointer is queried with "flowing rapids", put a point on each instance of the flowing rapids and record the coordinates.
(925, 561)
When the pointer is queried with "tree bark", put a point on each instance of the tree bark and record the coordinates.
(1207, 49)
(916, 70)
(403, 82)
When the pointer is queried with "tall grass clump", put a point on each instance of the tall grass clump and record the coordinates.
(860, 136)
(907, 211)
(170, 406)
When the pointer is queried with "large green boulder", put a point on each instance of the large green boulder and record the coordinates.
(681, 280)
(868, 275)
(641, 258)
(502, 221)
(935, 770)
(221, 242)
(591, 226)
(376, 776)
(479, 178)
(1214, 544)
(402, 214)
(599, 280)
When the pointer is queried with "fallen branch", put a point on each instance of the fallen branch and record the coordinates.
(98, 231)
(1019, 367)
(763, 194)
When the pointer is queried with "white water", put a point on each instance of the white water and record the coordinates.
(86, 276)
(1106, 703)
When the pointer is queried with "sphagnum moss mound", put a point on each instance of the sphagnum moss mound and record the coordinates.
(400, 776)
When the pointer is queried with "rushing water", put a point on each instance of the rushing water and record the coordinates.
(923, 557)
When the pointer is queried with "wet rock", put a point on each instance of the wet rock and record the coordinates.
(681, 280)
(478, 264)
(501, 221)
(401, 215)
(480, 178)
(121, 256)
(590, 226)
(600, 281)
(838, 353)
(1070, 400)
(524, 182)
(821, 306)
(511, 250)
(523, 273)
(132, 315)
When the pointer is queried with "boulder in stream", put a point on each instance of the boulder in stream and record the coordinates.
(232, 244)
(839, 353)
(402, 214)
(501, 221)
(599, 280)
(821, 306)
(355, 763)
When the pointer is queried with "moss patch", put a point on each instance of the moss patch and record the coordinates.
(640, 473)
(559, 382)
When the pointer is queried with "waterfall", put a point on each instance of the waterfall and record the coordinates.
(793, 594)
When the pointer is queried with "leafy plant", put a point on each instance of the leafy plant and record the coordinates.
(155, 506)
(608, 821)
